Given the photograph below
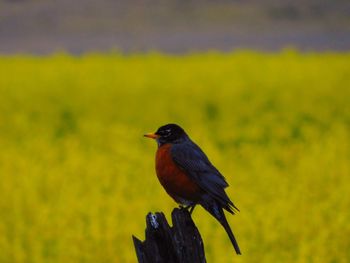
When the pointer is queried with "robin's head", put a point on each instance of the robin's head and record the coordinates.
(170, 133)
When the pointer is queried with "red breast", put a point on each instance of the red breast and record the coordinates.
(174, 180)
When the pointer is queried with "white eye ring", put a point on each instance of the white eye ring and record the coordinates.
(168, 133)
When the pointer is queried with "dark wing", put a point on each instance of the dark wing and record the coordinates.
(196, 164)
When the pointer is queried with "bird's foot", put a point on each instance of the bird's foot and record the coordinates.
(189, 208)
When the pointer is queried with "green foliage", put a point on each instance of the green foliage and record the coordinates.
(77, 177)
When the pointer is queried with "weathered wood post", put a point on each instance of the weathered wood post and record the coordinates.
(180, 243)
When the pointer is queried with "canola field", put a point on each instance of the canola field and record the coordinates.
(77, 177)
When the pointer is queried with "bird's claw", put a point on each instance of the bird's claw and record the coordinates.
(189, 208)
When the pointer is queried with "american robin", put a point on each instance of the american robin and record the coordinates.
(189, 177)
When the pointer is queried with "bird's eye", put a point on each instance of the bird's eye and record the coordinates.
(166, 133)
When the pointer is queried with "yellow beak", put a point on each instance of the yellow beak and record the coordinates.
(151, 135)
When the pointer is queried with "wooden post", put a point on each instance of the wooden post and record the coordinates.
(181, 243)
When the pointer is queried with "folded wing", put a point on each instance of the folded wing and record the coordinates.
(196, 164)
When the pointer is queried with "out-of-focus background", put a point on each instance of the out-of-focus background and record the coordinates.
(44, 26)
(262, 86)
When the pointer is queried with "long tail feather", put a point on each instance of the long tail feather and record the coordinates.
(229, 232)
(215, 210)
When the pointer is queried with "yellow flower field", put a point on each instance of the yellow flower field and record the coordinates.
(77, 177)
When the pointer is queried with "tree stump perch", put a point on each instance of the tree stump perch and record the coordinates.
(180, 243)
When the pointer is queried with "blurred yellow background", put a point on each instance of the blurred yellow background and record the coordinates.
(77, 177)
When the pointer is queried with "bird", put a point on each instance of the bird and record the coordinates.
(188, 176)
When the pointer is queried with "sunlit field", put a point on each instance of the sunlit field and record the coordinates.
(77, 177)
